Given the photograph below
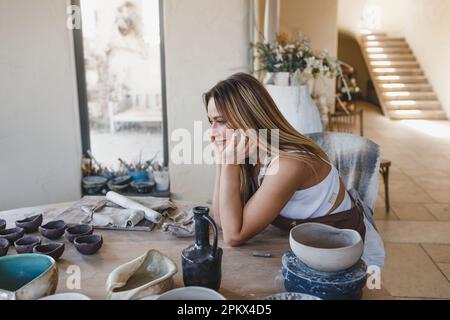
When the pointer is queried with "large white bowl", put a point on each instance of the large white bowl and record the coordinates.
(191, 293)
(66, 296)
(326, 248)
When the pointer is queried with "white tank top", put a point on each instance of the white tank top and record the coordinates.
(315, 201)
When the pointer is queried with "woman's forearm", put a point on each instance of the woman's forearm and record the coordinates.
(230, 204)
(216, 196)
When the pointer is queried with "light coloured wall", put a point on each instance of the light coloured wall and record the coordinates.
(424, 23)
(318, 20)
(427, 30)
(205, 41)
(392, 14)
(39, 125)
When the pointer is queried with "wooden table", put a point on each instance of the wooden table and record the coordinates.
(243, 275)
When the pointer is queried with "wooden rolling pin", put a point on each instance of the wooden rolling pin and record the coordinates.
(151, 215)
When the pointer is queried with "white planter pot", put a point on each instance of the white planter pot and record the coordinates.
(282, 79)
(297, 106)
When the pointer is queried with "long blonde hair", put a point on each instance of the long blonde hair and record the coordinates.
(245, 104)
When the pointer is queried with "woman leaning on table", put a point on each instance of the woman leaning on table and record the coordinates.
(294, 183)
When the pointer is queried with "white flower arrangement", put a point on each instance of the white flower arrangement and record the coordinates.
(297, 58)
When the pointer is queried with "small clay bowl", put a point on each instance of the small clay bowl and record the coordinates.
(2, 224)
(53, 230)
(52, 249)
(88, 244)
(142, 186)
(26, 244)
(4, 246)
(12, 234)
(78, 231)
(30, 224)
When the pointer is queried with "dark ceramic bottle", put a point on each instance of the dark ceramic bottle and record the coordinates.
(201, 262)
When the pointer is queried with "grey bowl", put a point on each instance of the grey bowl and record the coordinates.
(12, 234)
(30, 224)
(78, 231)
(26, 244)
(88, 244)
(53, 249)
(2, 224)
(53, 230)
(4, 246)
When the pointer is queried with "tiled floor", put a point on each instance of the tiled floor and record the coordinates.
(417, 229)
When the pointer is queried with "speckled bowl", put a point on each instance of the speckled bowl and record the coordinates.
(53, 230)
(88, 244)
(30, 224)
(53, 249)
(26, 244)
(78, 231)
(4, 246)
(12, 234)
(291, 296)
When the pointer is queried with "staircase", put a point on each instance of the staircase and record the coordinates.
(401, 85)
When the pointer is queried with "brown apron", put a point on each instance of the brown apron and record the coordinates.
(349, 219)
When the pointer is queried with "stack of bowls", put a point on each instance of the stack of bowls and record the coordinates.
(325, 262)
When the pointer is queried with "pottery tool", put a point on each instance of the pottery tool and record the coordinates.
(98, 206)
(261, 254)
(151, 215)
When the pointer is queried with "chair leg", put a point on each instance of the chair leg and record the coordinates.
(385, 173)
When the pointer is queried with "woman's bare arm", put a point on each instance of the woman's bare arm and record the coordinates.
(239, 222)
(216, 196)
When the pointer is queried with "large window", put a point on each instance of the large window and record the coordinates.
(123, 108)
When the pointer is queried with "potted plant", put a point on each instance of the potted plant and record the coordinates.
(289, 62)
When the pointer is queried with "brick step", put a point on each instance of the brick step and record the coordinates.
(402, 95)
(370, 50)
(397, 71)
(413, 105)
(417, 114)
(383, 38)
(411, 87)
(391, 57)
(401, 79)
(394, 64)
(386, 44)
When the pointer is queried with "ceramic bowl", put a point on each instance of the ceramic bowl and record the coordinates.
(291, 296)
(77, 231)
(4, 246)
(30, 224)
(191, 293)
(94, 181)
(2, 224)
(53, 230)
(149, 274)
(89, 244)
(66, 296)
(142, 186)
(120, 181)
(12, 234)
(26, 244)
(27, 277)
(326, 248)
(53, 249)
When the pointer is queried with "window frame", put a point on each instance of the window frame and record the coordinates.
(82, 88)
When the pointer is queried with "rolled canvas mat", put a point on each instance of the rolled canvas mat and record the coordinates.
(150, 214)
